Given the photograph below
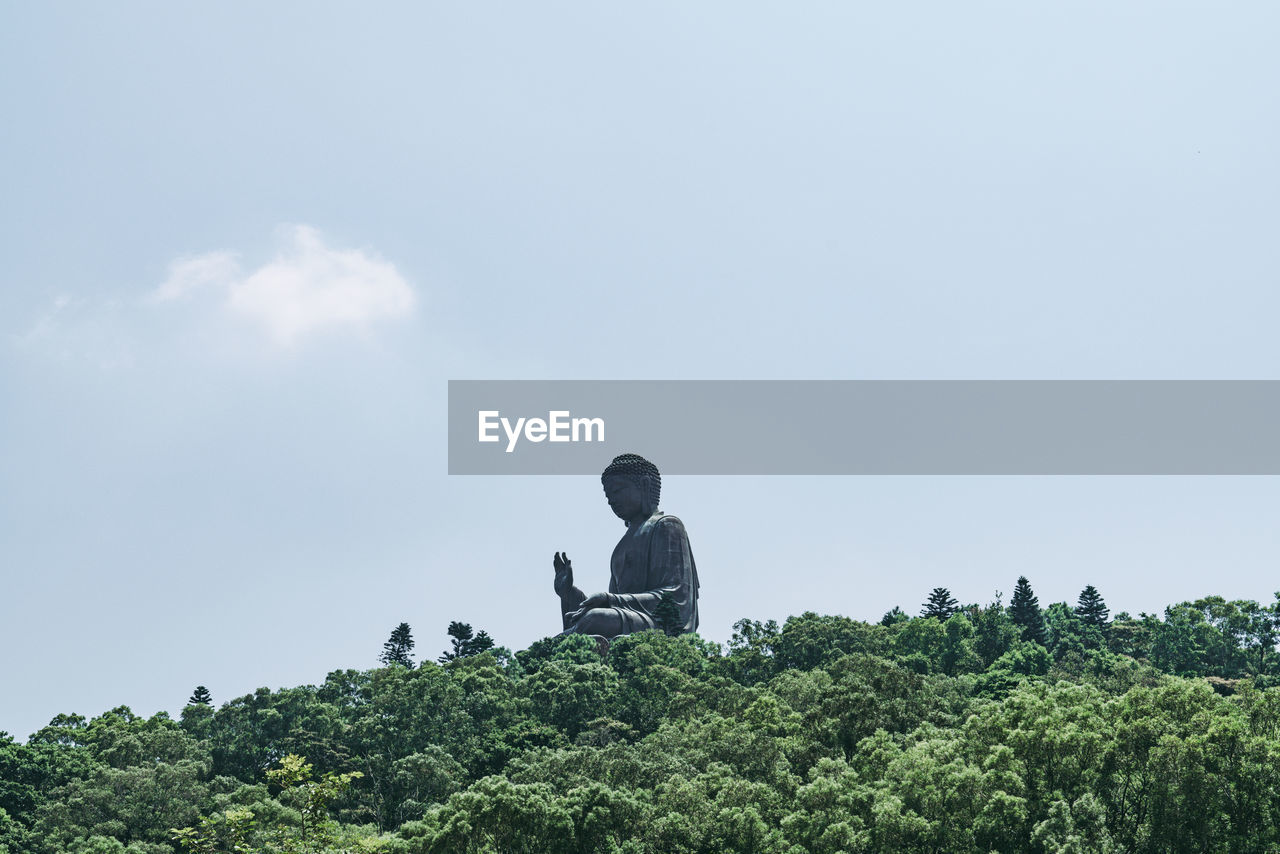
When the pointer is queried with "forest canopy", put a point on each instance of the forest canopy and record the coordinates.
(971, 728)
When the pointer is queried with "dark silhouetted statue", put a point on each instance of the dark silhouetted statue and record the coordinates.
(653, 582)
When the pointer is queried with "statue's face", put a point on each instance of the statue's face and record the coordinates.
(624, 496)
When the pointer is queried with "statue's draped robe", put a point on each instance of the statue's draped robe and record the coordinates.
(647, 563)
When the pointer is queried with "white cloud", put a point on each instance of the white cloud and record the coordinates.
(187, 275)
(308, 287)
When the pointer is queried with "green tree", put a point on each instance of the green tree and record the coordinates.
(398, 647)
(656, 671)
(751, 656)
(1260, 635)
(869, 693)
(12, 835)
(120, 739)
(1178, 646)
(568, 696)
(894, 616)
(1132, 636)
(1024, 609)
(935, 795)
(249, 734)
(919, 643)
(200, 697)
(465, 642)
(1078, 828)
(810, 639)
(225, 832)
(940, 604)
(1065, 632)
(1023, 659)
(299, 822)
(316, 830)
(22, 772)
(958, 654)
(135, 805)
(399, 721)
(495, 814)
(994, 631)
(1090, 608)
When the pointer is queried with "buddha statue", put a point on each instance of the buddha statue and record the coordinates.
(653, 582)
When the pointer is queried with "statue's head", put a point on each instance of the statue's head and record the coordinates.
(632, 486)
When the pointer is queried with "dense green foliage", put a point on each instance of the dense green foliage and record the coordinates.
(823, 735)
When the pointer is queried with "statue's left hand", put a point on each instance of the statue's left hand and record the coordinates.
(595, 600)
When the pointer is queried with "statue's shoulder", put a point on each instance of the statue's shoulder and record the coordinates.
(669, 523)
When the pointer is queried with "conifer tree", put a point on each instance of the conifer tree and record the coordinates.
(1024, 610)
(940, 604)
(397, 648)
(462, 635)
(465, 642)
(479, 643)
(1091, 609)
(200, 697)
(893, 617)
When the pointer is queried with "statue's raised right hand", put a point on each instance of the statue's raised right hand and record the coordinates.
(564, 574)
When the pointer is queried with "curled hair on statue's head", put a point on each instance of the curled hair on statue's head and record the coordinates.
(642, 472)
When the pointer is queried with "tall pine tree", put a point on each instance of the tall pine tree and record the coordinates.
(396, 650)
(1024, 610)
(940, 604)
(1091, 609)
(479, 643)
(200, 697)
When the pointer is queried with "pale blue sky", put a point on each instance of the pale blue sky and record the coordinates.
(239, 480)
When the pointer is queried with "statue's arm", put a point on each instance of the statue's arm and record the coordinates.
(570, 601)
(571, 597)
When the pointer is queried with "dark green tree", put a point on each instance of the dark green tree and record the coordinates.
(667, 614)
(1261, 633)
(1179, 642)
(480, 643)
(1090, 608)
(995, 633)
(396, 650)
(1025, 611)
(465, 642)
(892, 618)
(940, 604)
(462, 635)
(1065, 632)
(200, 697)
(810, 639)
(751, 657)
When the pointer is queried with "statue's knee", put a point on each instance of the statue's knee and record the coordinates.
(599, 621)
